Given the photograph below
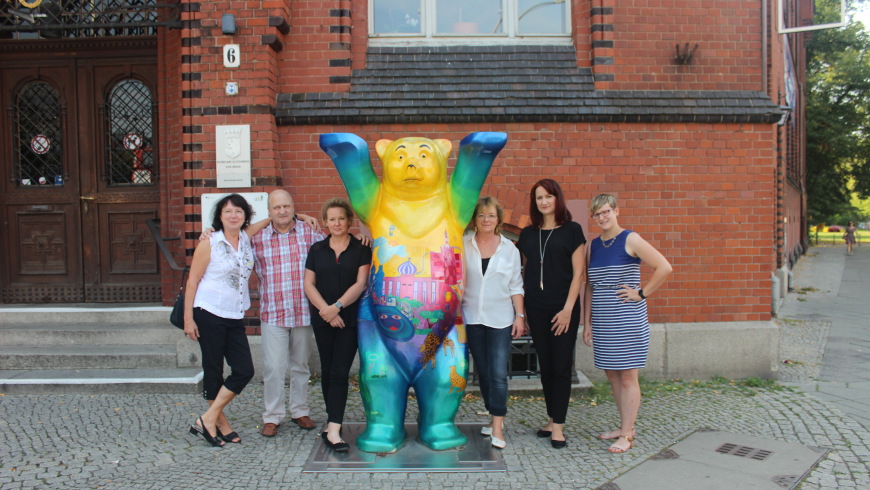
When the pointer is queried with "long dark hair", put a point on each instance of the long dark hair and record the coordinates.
(237, 201)
(562, 214)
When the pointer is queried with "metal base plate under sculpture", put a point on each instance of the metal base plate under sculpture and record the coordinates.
(477, 456)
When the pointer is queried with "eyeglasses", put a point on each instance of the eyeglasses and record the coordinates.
(602, 214)
(486, 216)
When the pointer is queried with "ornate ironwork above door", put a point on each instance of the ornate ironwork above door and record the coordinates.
(53, 19)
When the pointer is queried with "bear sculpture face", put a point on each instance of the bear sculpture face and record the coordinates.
(414, 168)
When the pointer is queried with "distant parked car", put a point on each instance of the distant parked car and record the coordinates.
(834, 228)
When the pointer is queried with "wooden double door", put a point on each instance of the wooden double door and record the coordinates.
(78, 141)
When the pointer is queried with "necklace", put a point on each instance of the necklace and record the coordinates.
(608, 243)
(542, 249)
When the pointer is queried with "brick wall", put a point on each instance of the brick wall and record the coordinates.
(317, 55)
(644, 35)
(702, 194)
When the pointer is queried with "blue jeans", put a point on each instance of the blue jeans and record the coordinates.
(490, 348)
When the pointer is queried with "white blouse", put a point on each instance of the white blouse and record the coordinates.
(487, 299)
(223, 289)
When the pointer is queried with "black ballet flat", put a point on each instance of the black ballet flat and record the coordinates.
(339, 447)
(200, 430)
(544, 433)
(558, 444)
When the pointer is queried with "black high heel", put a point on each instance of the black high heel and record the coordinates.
(231, 437)
(339, 447)
(201, 430)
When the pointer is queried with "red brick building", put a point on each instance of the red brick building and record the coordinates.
(674, 106)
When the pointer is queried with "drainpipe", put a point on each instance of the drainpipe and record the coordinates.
(764, 41)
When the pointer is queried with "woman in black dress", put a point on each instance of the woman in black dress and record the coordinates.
(336, 272)
(554, 253)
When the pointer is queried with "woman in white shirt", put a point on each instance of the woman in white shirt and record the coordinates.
(214, 309)
(492, 307)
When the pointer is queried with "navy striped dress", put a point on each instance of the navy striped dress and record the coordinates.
(620, 331)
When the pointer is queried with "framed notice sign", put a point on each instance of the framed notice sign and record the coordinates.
(233, 156)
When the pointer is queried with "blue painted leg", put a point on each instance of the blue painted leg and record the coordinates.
(384, 390)
(439, 393)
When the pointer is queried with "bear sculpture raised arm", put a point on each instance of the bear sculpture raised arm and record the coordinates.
(410, 330)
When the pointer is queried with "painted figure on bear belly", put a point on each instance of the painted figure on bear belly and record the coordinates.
(410, 330)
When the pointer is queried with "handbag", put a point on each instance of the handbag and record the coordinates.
(176, 317)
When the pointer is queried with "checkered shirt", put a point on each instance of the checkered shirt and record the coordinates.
(280, 265)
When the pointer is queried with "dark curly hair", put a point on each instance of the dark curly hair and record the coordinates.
(237, 201)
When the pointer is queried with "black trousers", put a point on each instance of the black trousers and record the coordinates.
(555, 357)
(223, 338)
(337, 348)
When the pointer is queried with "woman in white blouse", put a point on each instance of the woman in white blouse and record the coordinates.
(492, 308)
(214, 309)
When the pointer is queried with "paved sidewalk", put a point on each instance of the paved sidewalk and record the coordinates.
(833, 290)
(141, 441)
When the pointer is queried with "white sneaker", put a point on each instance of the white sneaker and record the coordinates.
(486, 431)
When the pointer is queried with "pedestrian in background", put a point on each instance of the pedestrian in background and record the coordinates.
(554, 254)
(616, 323)
(336, 273)
(849, 236)
(492, 308)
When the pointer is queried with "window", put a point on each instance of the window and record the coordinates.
(443, 20)
(130, 135)
(38, 136)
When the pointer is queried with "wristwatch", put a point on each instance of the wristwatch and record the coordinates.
(521, 315)
(640, 292)
(340, 306)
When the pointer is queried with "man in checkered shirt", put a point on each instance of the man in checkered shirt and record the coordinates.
(280, 252)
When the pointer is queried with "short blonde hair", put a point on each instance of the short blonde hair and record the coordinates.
(600, 200)
(337, 202)
(489, 202)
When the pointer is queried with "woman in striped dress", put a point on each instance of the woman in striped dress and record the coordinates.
(616, 324)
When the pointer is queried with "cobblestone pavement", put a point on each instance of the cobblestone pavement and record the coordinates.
(141, 441)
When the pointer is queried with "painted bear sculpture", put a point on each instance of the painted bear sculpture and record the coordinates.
(410, 330)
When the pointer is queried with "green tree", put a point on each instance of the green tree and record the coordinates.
(838, 119)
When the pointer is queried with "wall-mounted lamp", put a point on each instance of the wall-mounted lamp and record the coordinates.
(228, 24)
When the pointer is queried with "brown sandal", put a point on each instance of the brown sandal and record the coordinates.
(619, 450)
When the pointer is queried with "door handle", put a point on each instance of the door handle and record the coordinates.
(85, 200)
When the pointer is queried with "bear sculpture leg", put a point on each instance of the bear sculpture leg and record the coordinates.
(439, 392)
(384, 390)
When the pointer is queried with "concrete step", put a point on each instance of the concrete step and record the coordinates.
(88, 356)
(85, 313)
(87, 381)
(36, 334)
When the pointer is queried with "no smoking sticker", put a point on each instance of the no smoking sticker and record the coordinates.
(132, 141)
(40, 144)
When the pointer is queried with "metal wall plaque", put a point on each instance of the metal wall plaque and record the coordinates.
(233, 156)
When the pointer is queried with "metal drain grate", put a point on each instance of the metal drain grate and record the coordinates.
(744, 451)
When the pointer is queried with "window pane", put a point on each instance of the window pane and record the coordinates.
(541, 17)
(130, 156)
(469, 17)
(397, 17)
(38, 136)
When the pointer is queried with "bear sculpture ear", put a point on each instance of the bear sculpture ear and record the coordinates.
(445, 146)
(381, 148)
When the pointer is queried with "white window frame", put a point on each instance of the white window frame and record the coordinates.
(428, 36)
(788, 30)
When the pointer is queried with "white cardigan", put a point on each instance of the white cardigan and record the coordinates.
(487, 299)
